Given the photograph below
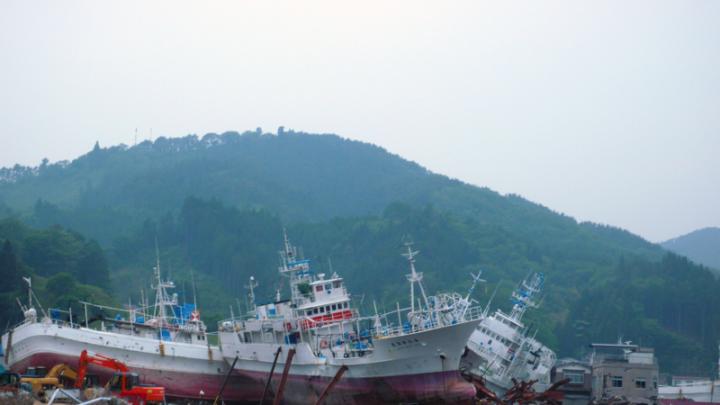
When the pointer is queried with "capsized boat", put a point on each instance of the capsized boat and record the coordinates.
(408, 355)
(166, 343)
(500, 349)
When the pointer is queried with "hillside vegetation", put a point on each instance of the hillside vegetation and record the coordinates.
(217, 206)
(701, 246)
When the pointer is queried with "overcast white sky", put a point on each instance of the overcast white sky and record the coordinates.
(607, 111)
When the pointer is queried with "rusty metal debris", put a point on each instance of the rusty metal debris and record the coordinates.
(522, 392)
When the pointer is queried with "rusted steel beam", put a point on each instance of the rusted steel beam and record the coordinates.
(272, 371)
(283, 381)
(218, 397)
(332, 383)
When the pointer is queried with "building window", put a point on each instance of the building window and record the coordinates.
(575, 376)
(617, 381)
(639, 383)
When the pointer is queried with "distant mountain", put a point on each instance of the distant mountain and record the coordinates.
(701, 246)
(217, 204)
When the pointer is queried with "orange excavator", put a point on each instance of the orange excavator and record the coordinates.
(124, 381)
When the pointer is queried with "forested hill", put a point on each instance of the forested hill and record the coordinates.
(702, 246)
(217, 206)
(299, 176)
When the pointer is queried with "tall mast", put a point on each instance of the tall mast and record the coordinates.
(522, 298)
(296, 269)
(414, 277)
(251, 286)
(160, 295)
(192, 278)
(476, 279)
(162, 299)
(28, 280)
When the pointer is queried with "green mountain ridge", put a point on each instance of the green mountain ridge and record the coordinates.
(701, 246)
(218, 204)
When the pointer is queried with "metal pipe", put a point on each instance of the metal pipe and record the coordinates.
(332, 383)
(272, 371)
(286, 370)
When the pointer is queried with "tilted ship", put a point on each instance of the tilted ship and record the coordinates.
(408, 355)
(500, 348)
(166, 343)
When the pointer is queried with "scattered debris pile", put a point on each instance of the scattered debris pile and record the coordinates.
(522, 392)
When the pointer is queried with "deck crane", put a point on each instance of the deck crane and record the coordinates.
(128, 383)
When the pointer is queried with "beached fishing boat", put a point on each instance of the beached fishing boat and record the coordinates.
(407, 355)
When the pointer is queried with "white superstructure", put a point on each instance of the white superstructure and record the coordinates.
(500, 349)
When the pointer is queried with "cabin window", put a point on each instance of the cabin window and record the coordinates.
(575, 376)
(315, 311)
(334, 307)
(322, 310)
(617, 381)
(328, 286)
(327, 308)
(336, 284)
(309, 312)
(639, 383)
(318, 288)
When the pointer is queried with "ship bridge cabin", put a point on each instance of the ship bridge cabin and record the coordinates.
(328, 302)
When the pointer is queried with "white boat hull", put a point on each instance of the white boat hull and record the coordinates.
(185, 370)
(416, 367)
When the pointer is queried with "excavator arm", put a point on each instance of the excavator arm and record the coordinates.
(62, 370)
(136, 394)
(99, 360)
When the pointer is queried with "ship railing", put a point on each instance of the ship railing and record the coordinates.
(474, 313)
(396, 323)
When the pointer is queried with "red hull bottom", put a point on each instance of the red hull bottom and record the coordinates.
(177, 385)
(245, 386)
(430, 388)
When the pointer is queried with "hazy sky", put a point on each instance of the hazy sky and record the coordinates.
(607, 111)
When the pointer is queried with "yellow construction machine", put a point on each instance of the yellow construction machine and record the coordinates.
(40, 381)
